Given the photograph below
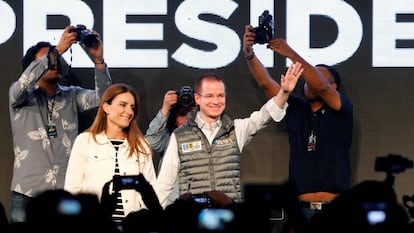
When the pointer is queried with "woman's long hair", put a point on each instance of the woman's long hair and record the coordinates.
(136, 139)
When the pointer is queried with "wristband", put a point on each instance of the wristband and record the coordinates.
(249, 57)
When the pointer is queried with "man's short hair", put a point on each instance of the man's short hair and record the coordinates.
(31, 53)
(334, 73)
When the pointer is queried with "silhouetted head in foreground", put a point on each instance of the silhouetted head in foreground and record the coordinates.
(370, 206)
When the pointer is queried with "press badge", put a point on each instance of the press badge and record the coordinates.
(51, 130)
(312, 142)
(191, 146)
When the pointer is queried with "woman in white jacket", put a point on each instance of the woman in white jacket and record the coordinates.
(113, 145)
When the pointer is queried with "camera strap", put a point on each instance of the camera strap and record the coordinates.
(69, 63)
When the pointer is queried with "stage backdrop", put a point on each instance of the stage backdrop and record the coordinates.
(157, 45)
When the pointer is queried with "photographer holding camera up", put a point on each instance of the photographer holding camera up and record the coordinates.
(44, 117)
(173, 113)
(319, 124)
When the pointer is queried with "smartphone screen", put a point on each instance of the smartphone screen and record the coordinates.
(125, 182)
(215, 219)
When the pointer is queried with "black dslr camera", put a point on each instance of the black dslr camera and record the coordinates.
(186, 96)
(84, 36)
(392, 164)
(264, 32)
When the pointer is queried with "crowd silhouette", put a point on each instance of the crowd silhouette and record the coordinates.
(370, 206)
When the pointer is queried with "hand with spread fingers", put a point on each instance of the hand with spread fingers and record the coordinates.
(289, 80)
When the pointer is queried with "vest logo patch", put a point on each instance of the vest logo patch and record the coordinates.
(191, 146)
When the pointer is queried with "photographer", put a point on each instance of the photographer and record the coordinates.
(173, 113)
(319, 125)
(44, 117)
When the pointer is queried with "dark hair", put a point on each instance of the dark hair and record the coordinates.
(177, 110)
(334, 73)
(31, 53)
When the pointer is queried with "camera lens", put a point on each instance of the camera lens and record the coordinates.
(186, 100)
(186, 96)
(87, 38)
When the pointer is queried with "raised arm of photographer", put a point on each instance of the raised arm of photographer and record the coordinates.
(96, 52)
(69, 38)
(170, 98)
(313, 77)
(257, 69)
(157, 133)
(66, 40)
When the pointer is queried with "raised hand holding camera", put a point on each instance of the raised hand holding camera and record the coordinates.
(66, 40)
(90, 41)
(140, 184)
(261, 34)
(124, 182)
(186, 96)
(84, 36)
